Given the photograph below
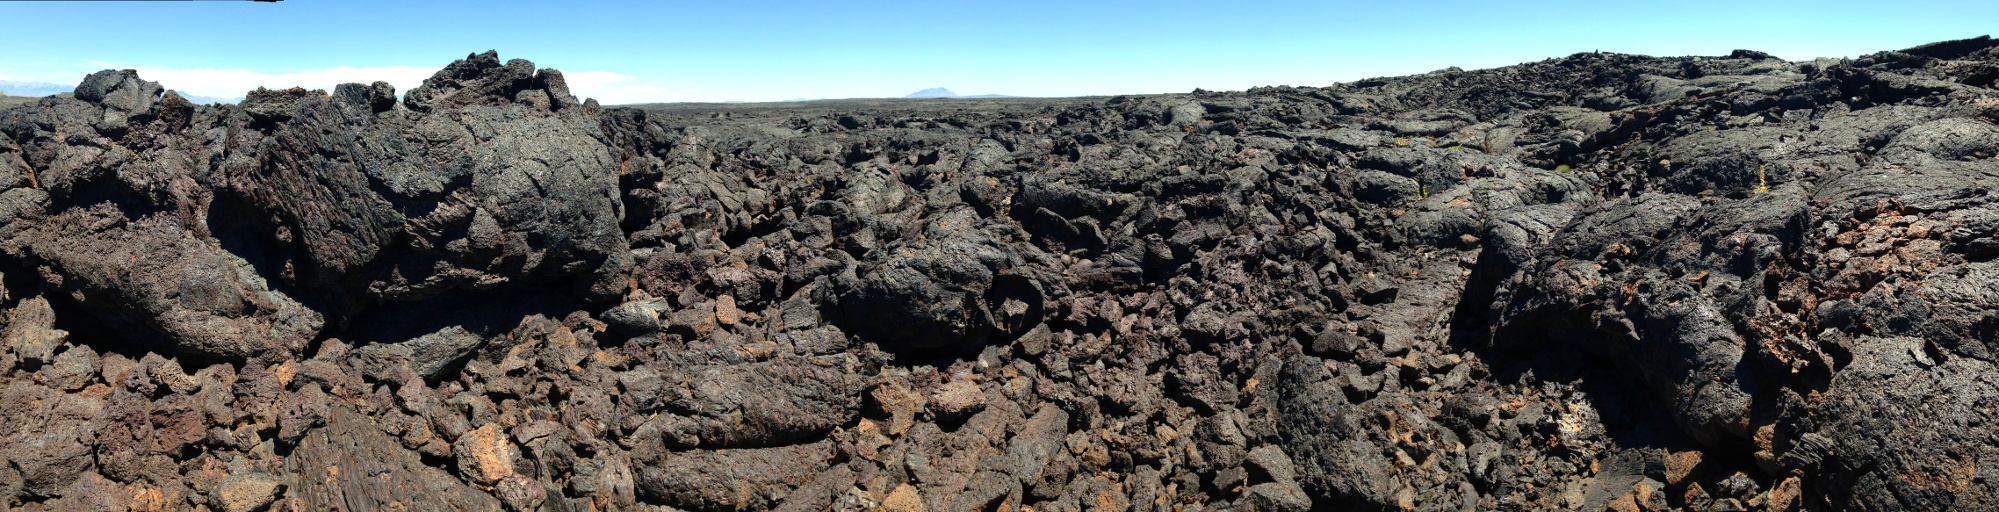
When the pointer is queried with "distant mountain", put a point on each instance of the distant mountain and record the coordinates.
(204, 100)
(13, 88)
(940, 92)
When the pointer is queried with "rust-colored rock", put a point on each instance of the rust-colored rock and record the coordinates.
(1680, 465)
(485, 455)
(905, 498)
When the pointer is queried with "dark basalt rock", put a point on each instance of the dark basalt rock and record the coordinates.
(1595, 282)
(357, 467)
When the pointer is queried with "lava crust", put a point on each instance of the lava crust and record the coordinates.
(1601, 282)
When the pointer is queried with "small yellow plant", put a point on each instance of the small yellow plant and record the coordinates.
(1399, 141)
(1762, 179)
(1562, 168)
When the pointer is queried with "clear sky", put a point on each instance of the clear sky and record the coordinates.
(624, 51)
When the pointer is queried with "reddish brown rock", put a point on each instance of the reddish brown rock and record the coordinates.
(485, 455)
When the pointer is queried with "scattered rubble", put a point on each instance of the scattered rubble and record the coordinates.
(1599, 282)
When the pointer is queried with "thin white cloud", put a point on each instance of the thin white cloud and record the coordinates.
(619, 89)
(232, 83)
(610, 88)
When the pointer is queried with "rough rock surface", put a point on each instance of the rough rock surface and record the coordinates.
(1602, 282)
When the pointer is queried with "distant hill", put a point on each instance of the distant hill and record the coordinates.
(39, 89)
(940, 92)
(13, 88)
(204, 100)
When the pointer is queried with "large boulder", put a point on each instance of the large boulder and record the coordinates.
(360, 468)
(165, 286)
(952, 287)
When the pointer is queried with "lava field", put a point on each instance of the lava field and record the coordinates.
(1598, 282)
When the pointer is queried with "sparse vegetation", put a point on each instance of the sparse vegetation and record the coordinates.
(1762, 179)
(14, 101)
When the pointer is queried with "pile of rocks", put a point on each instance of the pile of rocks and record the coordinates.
(1596, 282)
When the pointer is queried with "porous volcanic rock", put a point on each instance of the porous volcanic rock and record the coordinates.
(1602, 282)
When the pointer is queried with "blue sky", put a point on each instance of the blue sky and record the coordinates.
(637, 51)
